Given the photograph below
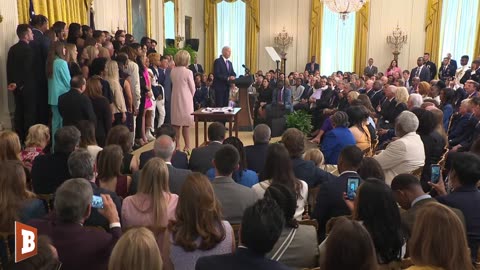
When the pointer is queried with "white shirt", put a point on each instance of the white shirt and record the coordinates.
(260, 188)
(423, 197)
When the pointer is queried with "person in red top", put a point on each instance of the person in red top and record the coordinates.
(37, 139)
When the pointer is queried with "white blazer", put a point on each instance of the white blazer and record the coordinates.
(402, 156)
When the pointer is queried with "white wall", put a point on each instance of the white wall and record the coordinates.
(7, 32)
(194, 9)
(110, 14)
(384, 16)
(294, 15)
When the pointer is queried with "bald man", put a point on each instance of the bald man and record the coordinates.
(223, 74)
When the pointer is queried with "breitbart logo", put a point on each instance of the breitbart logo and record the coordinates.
(25, 241)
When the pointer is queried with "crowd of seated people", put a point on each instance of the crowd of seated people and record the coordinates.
(285, 205)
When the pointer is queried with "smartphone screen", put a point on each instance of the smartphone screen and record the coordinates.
(352, 186)
(435, 173)
(97, 201)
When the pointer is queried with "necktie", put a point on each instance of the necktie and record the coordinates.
(418, 72)
(228, 65)
(280, 96)
(196, 68)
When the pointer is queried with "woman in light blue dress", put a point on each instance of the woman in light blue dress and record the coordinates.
(58, 76)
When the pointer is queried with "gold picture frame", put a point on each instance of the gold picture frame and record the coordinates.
(147, 15)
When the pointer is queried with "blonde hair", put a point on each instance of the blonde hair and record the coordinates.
(152, 57)
(136, 249)
(401, 95)
(314, 155)
(182, 58)
(10, 146)
(154, 183)
(70, 49)
(426, 248)
(38, 135)
(353, 95)
(424, 88)
(103, 52)
(90, 53)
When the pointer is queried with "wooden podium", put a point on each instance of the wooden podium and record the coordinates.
(244, 117)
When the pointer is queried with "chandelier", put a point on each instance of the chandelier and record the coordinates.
(344, 7)
(283, 40)
(396, 41)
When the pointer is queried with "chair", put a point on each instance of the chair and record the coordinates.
(309, 222)
(312, 199)
(47, 200)
(418, 172)
(236, 229)
(7, 243)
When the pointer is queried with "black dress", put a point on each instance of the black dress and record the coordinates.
(103, 112)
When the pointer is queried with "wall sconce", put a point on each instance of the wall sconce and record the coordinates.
(283, 40)
(396, 41)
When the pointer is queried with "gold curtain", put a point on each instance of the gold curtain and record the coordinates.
(476, 53)
(251, 31)
(210, 17)
(23, 11)
(129, 17)
(316, 18)
(361, 38)
(68, 11)
(432, 29)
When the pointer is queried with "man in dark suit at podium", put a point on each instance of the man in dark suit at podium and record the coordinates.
(196, 68)
(223, 73)
(312, 66)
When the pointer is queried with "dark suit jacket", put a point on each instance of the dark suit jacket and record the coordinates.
(78, 247)
(433, 69)
(308, 67)
(74, 107)
(446, 73)
(458, 128)
(376, 97)
(233, 197)
(241, 259)
(176, 178)
(370, 71)
(201, 158)
(195, 71)
(49, 172)
(40, 45)
(325, 100)
(200, 98)
(220, 81)
(308, 172)
(409, 216)
(179, 159)
(330, 201)
(20, 68)
(425, 74)
(387, 114)
(95, 218)
(256, 155)
(476, 76)
(467, 200)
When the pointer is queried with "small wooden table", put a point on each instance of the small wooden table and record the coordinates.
(200, 116)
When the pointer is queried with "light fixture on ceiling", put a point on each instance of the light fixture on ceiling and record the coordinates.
(344, 7)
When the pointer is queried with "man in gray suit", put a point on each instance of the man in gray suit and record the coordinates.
(233, 197)
(201, 158)
(164, 147)
(370, 70)
(410, 196)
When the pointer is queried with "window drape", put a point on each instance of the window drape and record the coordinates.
(362, 18)
(458, 28)
(337, 43)
(432, 28)
(231, 31)
(316, 19)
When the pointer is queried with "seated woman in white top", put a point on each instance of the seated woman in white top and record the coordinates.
(199, 229)
(279, 170)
